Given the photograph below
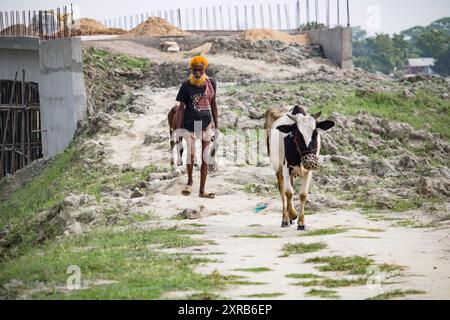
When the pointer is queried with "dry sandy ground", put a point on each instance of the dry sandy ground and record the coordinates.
(424, 252)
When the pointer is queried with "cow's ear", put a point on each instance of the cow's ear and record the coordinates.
(325, 125)
(317, 115)
(286, 128)
(298, 110)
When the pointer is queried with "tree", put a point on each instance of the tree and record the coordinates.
(390, 54)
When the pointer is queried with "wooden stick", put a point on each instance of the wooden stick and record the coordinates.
(6, 125)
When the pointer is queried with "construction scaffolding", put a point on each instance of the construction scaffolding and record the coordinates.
(20, 125)
(45, 24)
(286, 16)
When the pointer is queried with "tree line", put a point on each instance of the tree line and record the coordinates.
(390, 54)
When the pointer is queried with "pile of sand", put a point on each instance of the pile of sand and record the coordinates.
(156, 27)
(86, 26)
(270, 34)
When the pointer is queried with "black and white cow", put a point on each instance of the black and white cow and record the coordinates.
(294, 146)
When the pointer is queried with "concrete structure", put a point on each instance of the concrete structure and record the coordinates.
(336, 44)
(62, 92)
(17, 54)
(57, 67)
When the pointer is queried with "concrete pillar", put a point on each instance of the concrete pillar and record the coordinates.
(336, 44)
(62, 92)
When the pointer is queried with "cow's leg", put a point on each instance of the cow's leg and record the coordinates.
(290, 205)
(306, 180)
(285, 217)
(179, 147)
(172, 146)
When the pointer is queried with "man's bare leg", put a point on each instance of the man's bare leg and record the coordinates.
(204, 170)
(189, 166)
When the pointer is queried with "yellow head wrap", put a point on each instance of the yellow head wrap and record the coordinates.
(198, 60)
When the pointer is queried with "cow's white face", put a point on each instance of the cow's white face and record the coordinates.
(306, 125)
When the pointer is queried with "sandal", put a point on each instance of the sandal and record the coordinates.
(187, 190)
(208, 195)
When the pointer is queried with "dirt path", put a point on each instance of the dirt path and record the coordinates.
(424, 252)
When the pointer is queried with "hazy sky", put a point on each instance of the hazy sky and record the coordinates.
(373, 15)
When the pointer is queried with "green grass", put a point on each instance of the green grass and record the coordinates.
(426, 108)
(257, 236)
(66, 173)
(246, 283)
(107, 60)
(396, 294)
(303, 276)
(375, 230)
(352, 264)
(325, 294)
(131, 258)
(334, 283)
(323, 232)
(301, 248)
(265, 295)
(197, 225)
(258, 269)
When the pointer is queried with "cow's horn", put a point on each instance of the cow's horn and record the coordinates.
(293, 118)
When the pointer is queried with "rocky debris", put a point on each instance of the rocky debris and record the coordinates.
(165, 175)
(137, 193)
(194, 213)
(76, 200)
(100, 122)
(380, 168)
(353, 183)
(169, 46)
(382, 198)
(272, 51)
(395, 130)
(317, 202)
(173, 74)
(155, 138)
(408, 162)
(134, 104)
(433, 187)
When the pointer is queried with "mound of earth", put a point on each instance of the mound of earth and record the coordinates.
(86, 26)
(270, 34)
(156, 27)
(272, 51)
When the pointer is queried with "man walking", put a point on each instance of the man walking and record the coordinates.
(198, 116)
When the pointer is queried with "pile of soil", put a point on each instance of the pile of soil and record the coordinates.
(272, 51)
(86, 26)
(156, 27)
(270, 34)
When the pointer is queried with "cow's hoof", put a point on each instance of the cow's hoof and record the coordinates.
(285, 224)
(291, 222)
(301, 228)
